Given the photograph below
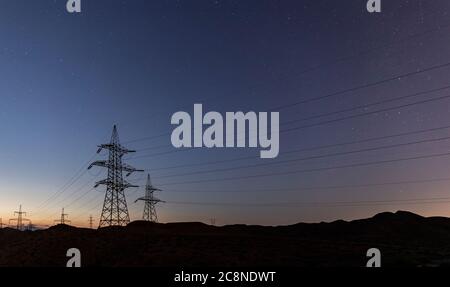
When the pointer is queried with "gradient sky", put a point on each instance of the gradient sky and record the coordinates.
(67, 78)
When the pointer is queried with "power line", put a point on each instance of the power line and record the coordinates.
(322, 204)
(326, 187)
(306, 158)
(360, 87)
(375, 48)
(320, 123)
(80, 172)
(307, 149)
(366, 114)
(147, 138)
(165, 134)
(366, 105)
(317, 116)
(438, 28)
(80, 205)
(70, 204)
(41, 210)
(398, 77)
(152, 148)
(80, 197)
(327, 122)
(72, 180)
(313, 170)
(92, 207)
(95, 206)
(159, 154)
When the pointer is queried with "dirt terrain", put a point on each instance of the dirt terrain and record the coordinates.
(405, 239)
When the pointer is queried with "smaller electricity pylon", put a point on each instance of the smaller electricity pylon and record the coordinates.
(19, 218)
(63, 219)
(30, 226)
(150, 202)
(91, 221)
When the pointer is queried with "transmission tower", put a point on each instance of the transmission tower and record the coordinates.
(1, 223)
(30, 226)
(150, 202)
(19, 218)
(91, 221)
(63, 219)
(115, 210)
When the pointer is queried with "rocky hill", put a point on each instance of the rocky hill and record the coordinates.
(405, 239)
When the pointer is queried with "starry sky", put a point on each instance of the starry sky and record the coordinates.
(363, 102)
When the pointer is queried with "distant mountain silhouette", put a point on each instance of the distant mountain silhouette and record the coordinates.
(404, 238)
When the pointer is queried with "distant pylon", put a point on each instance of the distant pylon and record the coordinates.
(150, 202)
(63, 219)
(30, 226)
(1, 223)
(115, 210)
(19, 218)
(91, 221)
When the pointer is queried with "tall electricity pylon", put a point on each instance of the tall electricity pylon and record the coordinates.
(1, 223)
(19, 218)
(150, 202)
(115, 210)
(63, 217)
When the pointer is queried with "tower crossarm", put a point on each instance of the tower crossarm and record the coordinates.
(103, 181)
(102, 163)
(117, 148)
(149, 199)
(126, 184)
(105, 163)
(129, 169)
(123, 185)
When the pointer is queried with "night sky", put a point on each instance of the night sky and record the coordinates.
(363, 102)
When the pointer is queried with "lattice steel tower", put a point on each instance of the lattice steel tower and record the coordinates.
(63, 219)
(19, 218)
(150, 202)
(115, 210)
(91, 222)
